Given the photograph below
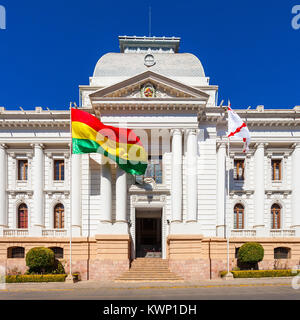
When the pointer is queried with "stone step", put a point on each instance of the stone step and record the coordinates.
(149, 269)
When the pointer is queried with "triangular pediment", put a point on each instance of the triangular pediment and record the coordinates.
(149, 85)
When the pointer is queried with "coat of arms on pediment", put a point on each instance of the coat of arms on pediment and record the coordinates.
(149, 85)
(148, 90)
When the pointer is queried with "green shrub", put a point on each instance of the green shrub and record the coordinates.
(250, 254)
(58, 268)
(261, 273)
(36, 278)
(40, 260)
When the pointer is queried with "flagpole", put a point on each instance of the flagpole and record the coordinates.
(227, 231)
(70, 277)
(228, 182)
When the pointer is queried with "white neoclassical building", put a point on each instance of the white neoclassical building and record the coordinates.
(182, 209)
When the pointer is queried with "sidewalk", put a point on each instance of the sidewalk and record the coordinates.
(149, 285)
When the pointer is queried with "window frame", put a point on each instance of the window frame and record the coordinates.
(62, 161)
(237, 214)
(22, 172)
(10, 254)
(58, 255)
(274, 167)
(61, 216)
(288, 253)
(24, 219)
(152, 161)
(236, 167)
(273, 214)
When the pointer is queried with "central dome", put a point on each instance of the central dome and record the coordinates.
(131, 64)
(157, 54)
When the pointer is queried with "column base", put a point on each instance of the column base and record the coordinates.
(119, 227)
(37, 231)
(76, 231)
(261, 231)
(297, 230)
(220, 230)
(188, 227)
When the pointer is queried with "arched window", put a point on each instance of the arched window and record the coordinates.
(16, 252)
(23, 216)
(276, 216)
(282, 253)
(59, 216)
(238, 216)
(58, 252)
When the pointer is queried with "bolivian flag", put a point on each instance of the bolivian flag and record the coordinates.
(90, 135)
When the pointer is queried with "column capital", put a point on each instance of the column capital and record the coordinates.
(296, 145)
(177, 132)
(188, 132)
(260, 145)
(3, 146)
(221, 145)
(67, 155)
(37, 145)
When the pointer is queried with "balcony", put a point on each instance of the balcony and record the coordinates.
(277, 233)
(15, 233)
(54, 233)
(243, 233)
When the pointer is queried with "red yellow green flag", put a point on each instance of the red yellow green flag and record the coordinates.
(90, 135)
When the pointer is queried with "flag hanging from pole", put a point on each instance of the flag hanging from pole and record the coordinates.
(90, 135)
(238, 128)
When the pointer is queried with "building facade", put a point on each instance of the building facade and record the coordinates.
(194, 193)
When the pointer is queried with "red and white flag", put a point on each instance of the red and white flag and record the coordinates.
(238, 128)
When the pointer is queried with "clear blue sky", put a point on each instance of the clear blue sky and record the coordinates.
(248, 48)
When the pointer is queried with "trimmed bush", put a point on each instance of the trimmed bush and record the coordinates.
(261, 273)
(36, 278)
(250, 254)
(58, 268)
(40, 260)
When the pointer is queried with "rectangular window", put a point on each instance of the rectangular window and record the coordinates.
(276, 170)
(22, 170)
(239, 169)
(59, 170)
(154, 170)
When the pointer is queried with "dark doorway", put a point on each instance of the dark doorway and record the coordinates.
(148, 234)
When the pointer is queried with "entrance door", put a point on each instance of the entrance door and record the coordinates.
(148, 234)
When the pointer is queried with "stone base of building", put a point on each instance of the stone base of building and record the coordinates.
(106, 257)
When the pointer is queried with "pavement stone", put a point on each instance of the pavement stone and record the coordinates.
(132, 285)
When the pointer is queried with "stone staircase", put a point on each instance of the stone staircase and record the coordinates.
(148, 270)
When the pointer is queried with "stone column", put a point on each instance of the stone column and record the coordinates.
(296, 189)
(176, 187)
(76, 195)
(259, 192)
(121, 201)
(38, 190)
(191, 178)
(3, 184)
(106, 193)
(221, 176)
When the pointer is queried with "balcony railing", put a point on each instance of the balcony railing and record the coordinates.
(15, 233)
(243, 233)
(54, 233)
(282, 233)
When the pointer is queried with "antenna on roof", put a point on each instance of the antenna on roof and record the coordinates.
(150, 17)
